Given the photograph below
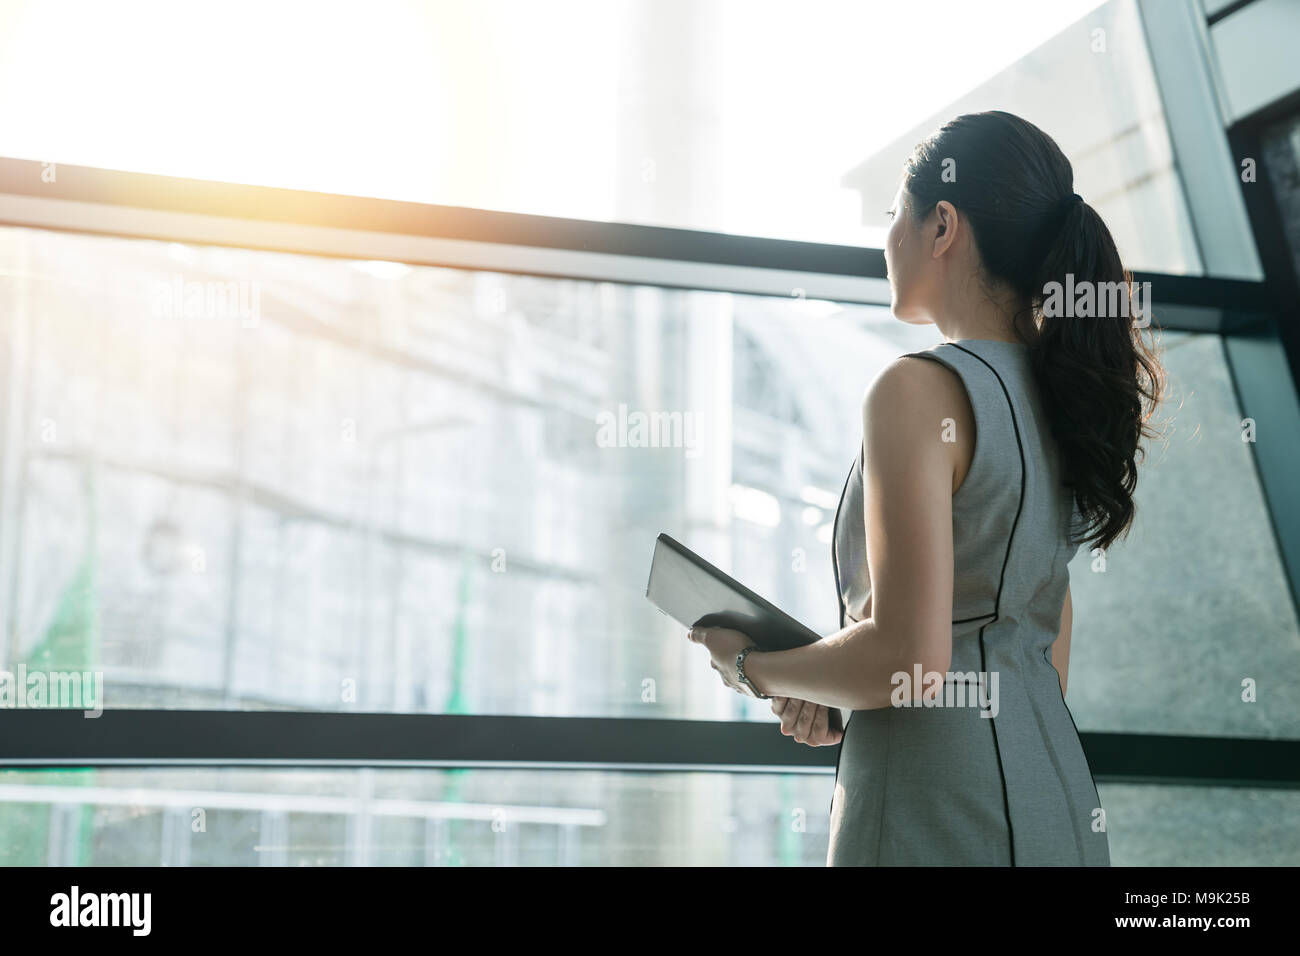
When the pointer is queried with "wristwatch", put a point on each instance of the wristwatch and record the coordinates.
(740, 671)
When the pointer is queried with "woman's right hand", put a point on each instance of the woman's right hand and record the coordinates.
(808, 723)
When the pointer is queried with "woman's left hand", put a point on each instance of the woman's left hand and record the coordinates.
(723, 645)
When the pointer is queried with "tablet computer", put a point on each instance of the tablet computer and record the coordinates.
(694, 593)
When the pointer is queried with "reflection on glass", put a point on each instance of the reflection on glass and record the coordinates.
(1188, 627)
(1200, 826)
(730, 116)
(242, 479)
(256, 480)
(1092, 89)
(236, 817)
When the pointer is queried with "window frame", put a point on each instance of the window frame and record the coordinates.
(135, 205)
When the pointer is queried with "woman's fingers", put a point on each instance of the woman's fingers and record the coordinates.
(798, 719)
(788, 715)
(803, 726)
(821, 725)
(830, 735)
(806, 722)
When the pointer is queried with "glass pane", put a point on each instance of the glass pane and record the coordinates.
(283, 817)
(244, 479)
(1092, 89)
(737, 116)
(1281, 147)
(239, 817)
(1200, 826)
(1177, 627)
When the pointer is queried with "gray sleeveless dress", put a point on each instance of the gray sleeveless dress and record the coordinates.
(950, 785)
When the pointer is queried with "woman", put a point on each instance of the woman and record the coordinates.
(986, 462)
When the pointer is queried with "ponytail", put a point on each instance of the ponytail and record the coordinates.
(1098, 379)
(1096, 376)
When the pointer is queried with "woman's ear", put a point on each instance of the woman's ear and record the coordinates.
(946, 229)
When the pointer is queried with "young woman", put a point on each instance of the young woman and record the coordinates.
(986, 462)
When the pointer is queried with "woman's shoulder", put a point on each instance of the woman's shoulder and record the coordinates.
(914, 398)
(915, 384)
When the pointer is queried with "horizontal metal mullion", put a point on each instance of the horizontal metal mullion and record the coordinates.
(1192, 760)
(31, 738)
(145, 191)
(224, 737)
(592, 265)
(112, 202)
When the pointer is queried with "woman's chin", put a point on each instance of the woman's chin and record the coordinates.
(908, 315)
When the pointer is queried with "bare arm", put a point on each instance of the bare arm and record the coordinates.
(1061, 646)
(908, 478)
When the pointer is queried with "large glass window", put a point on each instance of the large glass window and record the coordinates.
(248, 480)
(253, 480)
(1188, 626)
(241, 479)
(753, 118)
(1092, 89)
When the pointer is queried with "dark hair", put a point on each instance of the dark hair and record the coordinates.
(1098, 379)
